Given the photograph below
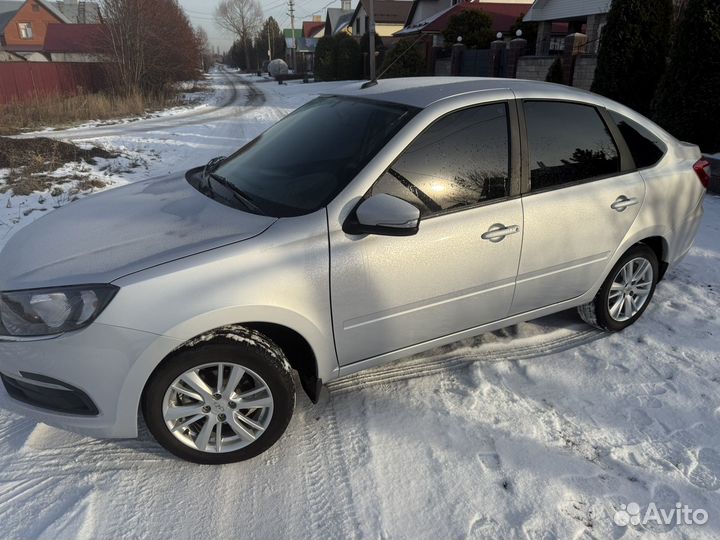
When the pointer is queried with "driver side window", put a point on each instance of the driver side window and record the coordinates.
(461, 160)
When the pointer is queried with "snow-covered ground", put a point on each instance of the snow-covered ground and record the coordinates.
(539, 431)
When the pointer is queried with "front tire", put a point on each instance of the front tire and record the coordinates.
(223, 400)
(626, 292)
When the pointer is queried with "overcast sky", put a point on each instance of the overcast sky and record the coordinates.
(201, 14)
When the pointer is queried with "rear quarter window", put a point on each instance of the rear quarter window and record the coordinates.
(646, 148)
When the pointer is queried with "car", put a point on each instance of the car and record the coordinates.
(366, 226)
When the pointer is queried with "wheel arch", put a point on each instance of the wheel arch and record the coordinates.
(660, 246)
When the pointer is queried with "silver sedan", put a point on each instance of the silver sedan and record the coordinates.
(366, 226)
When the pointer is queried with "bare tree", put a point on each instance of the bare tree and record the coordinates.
(150, 43)
(205, 49)
(243, 18)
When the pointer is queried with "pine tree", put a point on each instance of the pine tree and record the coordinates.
(688, 102)
(633, 51)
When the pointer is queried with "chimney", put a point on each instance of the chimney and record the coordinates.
(346, 5)
(317, 18)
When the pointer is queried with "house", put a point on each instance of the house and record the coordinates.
(313, 29)
(390, 17)
(305, 52)
(587, 16)
(23, 26)
(74, 43)
(337, 19)
(504, 16)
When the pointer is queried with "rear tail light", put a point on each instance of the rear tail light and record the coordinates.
(702, 169)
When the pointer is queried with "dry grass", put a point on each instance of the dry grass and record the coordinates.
(17, 117)
(30, 161)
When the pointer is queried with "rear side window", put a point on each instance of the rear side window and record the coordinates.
(646, 149)
(567, 142)
(460, 160)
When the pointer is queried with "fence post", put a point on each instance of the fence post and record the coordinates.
(497, 49)
(574, 45)
(517, 48)
(544, 33)
(456, 58)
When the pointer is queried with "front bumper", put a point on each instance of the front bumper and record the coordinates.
(109, 365)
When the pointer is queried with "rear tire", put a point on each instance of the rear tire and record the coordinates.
(626, 292)
(223, 400)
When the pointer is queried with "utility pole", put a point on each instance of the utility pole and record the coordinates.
(291, 6)
(370, 8)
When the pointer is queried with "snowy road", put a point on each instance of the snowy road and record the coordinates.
(539, 431)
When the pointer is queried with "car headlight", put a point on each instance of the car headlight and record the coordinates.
(42, 312)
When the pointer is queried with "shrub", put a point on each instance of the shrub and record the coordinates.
(687, 99)
(403, 60)
(473, 25)
(633, 51)
(337, 58)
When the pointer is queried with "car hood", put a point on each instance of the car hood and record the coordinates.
(109, 235)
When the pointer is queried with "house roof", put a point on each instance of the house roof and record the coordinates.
(309, 28)
(343, 22)
(8, 9)
(332, 18)
(558, 10)
(386, 11)
(52, 8)
(504, 16)
(288, 33)
(73, 38)
(90, 12)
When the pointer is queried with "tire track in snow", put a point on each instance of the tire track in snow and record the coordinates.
(327, 478)
(431, 364)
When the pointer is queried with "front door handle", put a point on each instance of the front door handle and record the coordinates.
(622, 202)
(498, 232)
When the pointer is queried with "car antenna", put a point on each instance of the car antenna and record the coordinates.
(374, 80)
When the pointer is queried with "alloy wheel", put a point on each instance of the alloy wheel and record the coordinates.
(218, 407)
(630, 289)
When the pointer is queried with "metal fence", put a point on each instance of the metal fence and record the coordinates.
(20, 81)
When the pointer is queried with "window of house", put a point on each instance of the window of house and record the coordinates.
(25, 30)
(461, 160)
(568, 142)
(646, 149)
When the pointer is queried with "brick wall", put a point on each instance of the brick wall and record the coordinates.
(584, 71)
(534, 68)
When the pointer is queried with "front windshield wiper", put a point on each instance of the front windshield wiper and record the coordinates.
(239, 194)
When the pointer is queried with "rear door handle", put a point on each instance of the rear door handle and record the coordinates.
(622, 202)
(498, 232)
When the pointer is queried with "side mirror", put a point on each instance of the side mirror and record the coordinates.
(384, 214)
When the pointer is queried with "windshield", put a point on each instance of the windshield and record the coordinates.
(300, 164)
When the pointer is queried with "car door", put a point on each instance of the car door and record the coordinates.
(579, 204)
(458, 271)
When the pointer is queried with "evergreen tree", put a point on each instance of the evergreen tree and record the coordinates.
(403, 60)
(474, 26)
(337, 58)
(277, 41)
(633, 51)
(688, 102)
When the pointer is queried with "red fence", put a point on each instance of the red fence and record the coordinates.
(23, 80)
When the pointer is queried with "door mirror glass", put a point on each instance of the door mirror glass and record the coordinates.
(384, 214)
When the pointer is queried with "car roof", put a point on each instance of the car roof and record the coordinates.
(423, 91)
